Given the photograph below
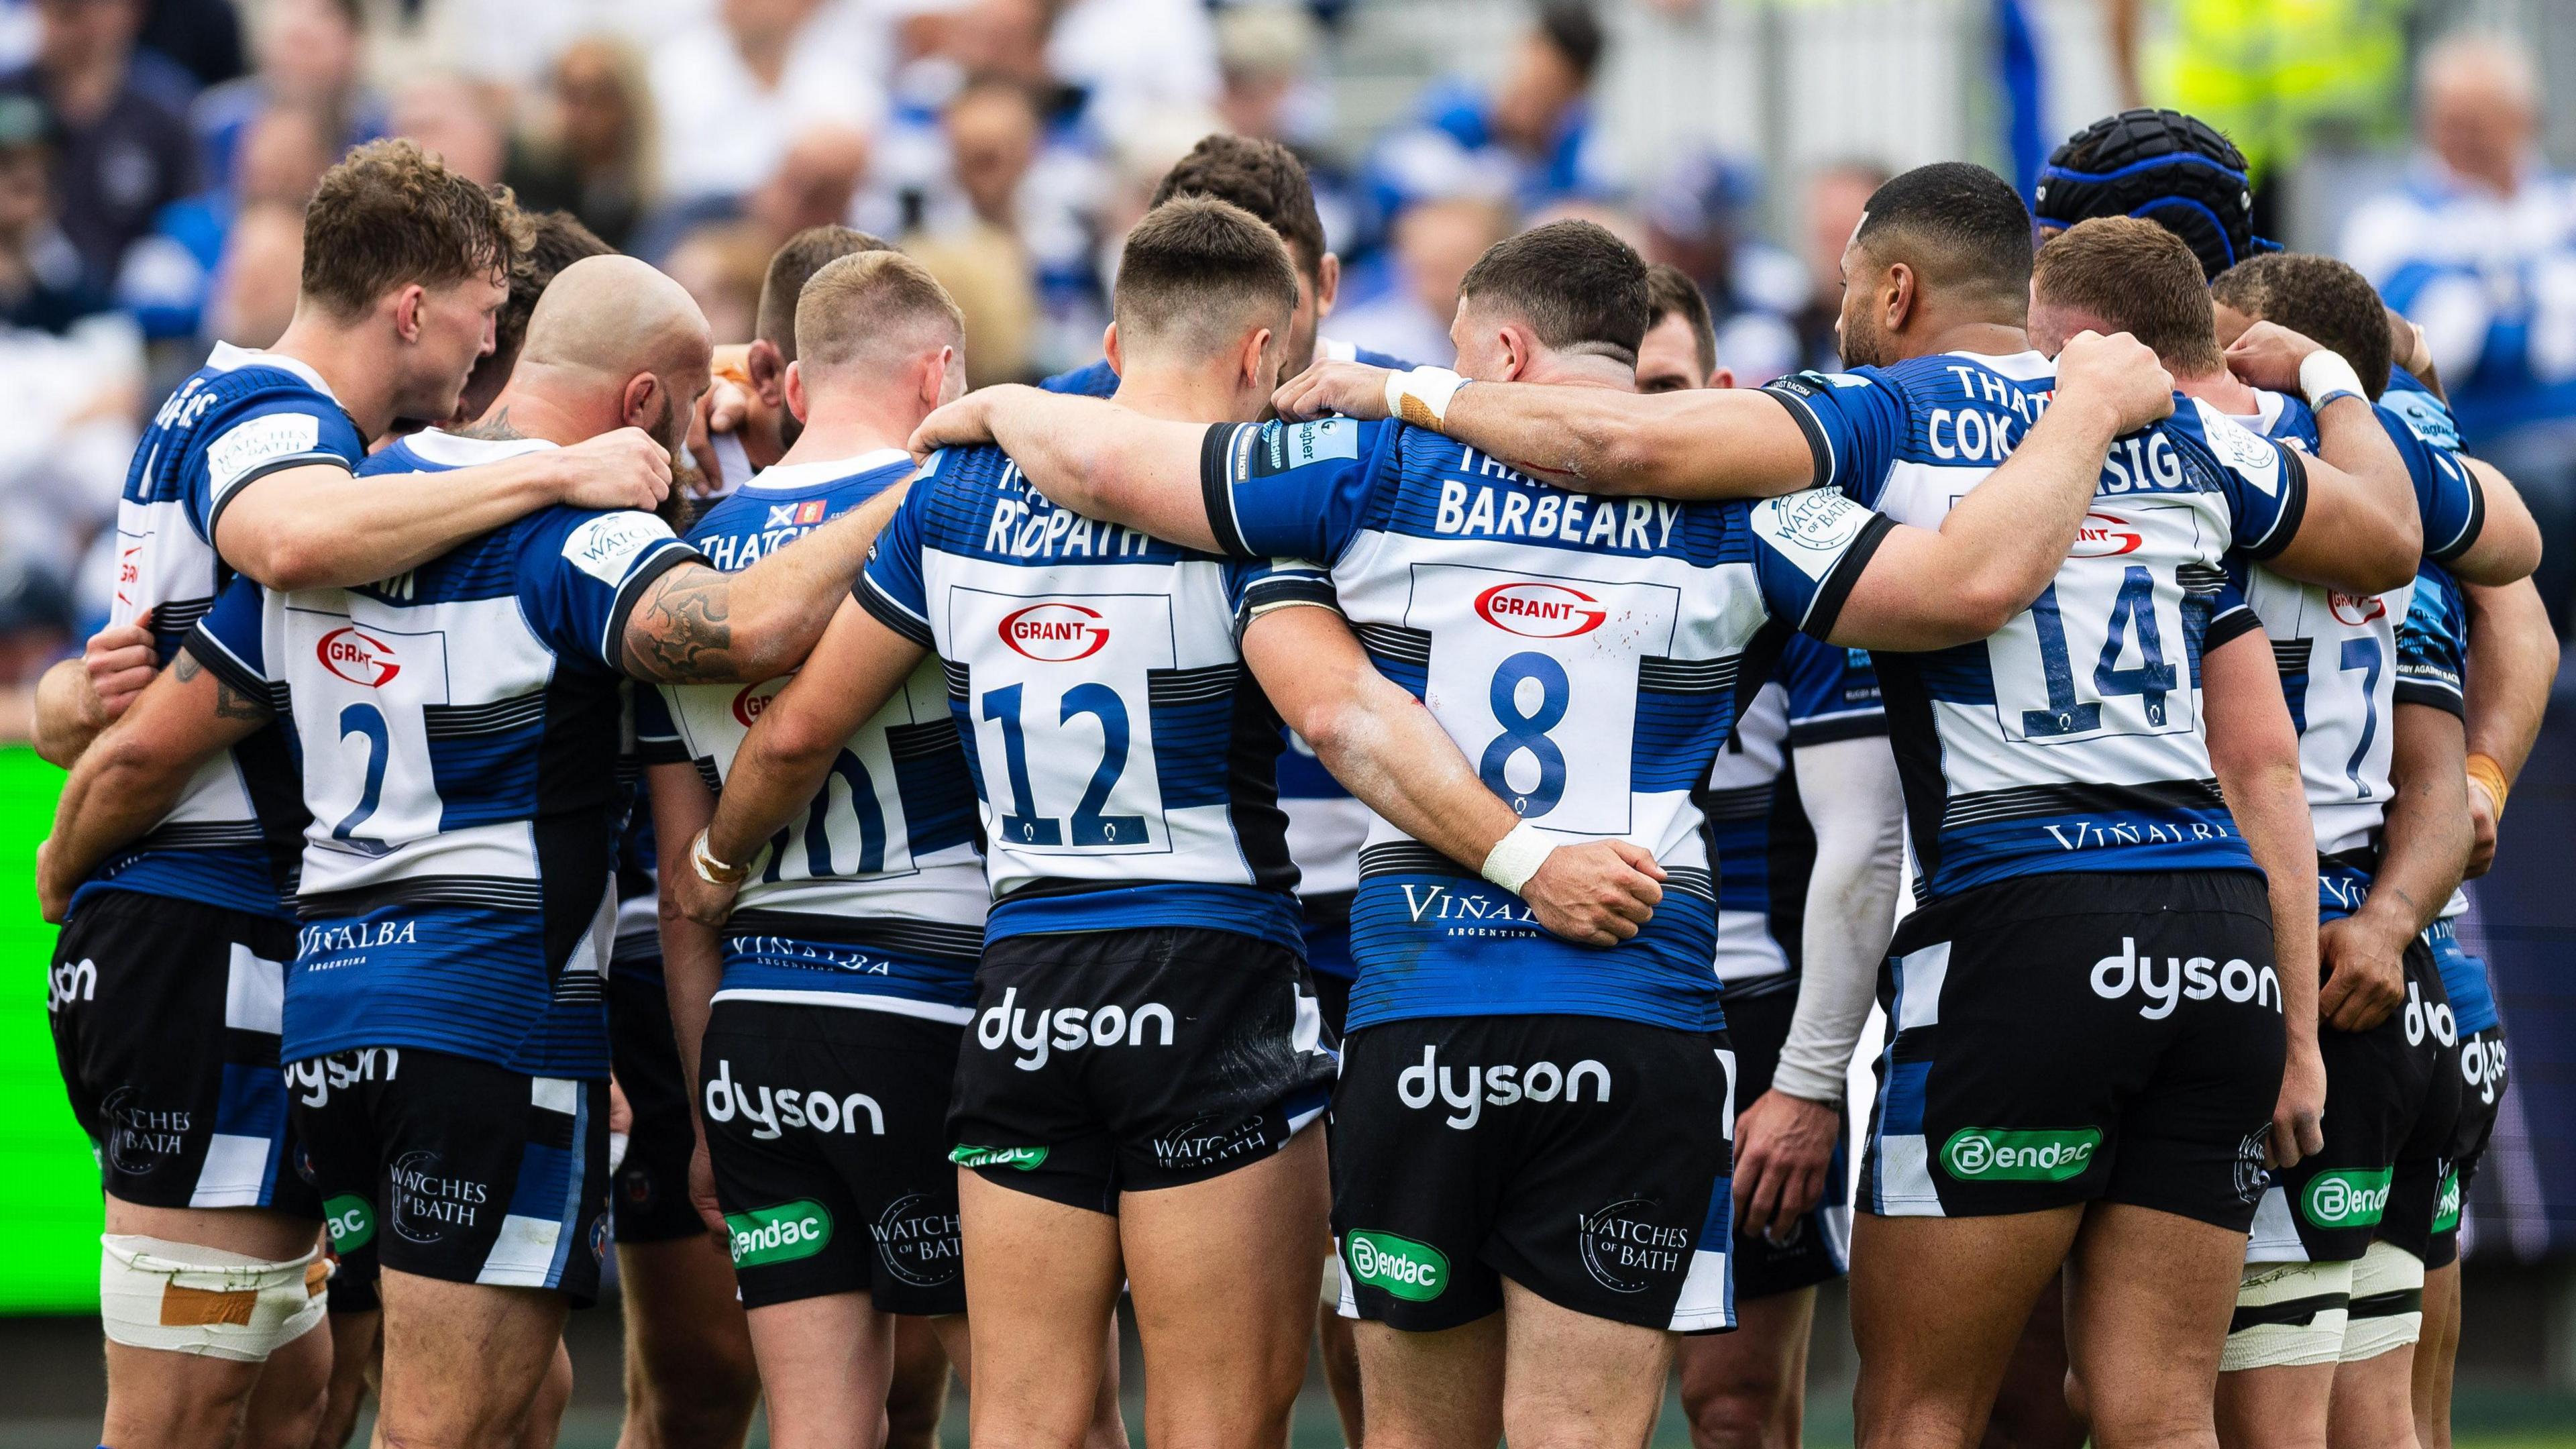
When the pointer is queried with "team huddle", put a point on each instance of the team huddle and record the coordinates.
(1248, 817)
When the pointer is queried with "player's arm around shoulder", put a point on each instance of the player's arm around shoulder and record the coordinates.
(1087, 455)
(696, 624)
(2359, 526)
(320, 525)
(2002, 543)
(136, 770)
(2506, 546)
(852, 672)
(1704, 443)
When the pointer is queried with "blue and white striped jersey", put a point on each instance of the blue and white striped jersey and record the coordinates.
(231, 840)
(1124, 757)
(876, 897)
(1765, 848)
(1588, 655)
(2072, 739)
(2338, 652)
(1326, 827)
(458, 730)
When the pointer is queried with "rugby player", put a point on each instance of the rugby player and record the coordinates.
(1808, 820)
(1144, 1052)
(2388, 1071)
(845, 976)
(1325, 825)
(168, 977)
(744, 422)
(1520, 1254)
(2515, 660)
(1680, 350)
(2098, 1140)
(442, 1022)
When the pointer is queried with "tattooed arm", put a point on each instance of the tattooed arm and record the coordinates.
(135, 772)
(696, 625)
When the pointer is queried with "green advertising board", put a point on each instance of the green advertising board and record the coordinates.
(52, 1265)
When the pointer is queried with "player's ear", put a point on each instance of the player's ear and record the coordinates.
(1109, 349)
(1896, 296)
(1724, 376)
(1328, 285)
(1256, 352)
(767, 368)
(792, 388)
(407, 303)
(1519, 351)
(635, 403)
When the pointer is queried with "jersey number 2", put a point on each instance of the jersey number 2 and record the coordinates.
(1021, 822)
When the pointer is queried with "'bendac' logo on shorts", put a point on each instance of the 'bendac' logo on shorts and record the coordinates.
(1401, 1267)
(1991, 1154)
(2446, 1208)
(351, 1221)
(780, 1234)
(2346, 1198)
(1023, 1158)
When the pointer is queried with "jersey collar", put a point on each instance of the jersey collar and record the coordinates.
(437, 445)
(228, 358)
(789, 477)
(2027, 365)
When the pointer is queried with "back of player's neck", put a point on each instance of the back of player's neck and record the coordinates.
(830, 437)
(2220, 389)
(528, 413)
(346, 357)
(1581, 369)
(1979, 338)
(1177, 395)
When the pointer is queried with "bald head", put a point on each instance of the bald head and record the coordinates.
(615, 329)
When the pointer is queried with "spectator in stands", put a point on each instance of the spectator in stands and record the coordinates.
(1696, 218)
(722, 265)
(455, 120)
(1267, 52)
(1134, 58)
(41, 285)
(595, 156)
(973, 235)
(1435, 243)
(122, 149)
(309, 54)
(202, 37)
(167, 275)
(253, 296)
(733, 94)
(2478, 247)
(1836, 197)
(1532, 133)
(814, 184)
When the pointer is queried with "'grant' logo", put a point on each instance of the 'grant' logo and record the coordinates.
(1054, 633)
(1540, 611)
(2104, 535)
(753, 699)
(358, 658)
(2356, 609)
(1401, 1267)
(1991, 1154)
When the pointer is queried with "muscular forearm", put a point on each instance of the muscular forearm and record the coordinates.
(1388, 751)
(692, 959)
(2010, 534)
(699, 625)
(323, 527)
(1850, 792)
(67, 715)
(2427, 836)
(2513, 661)
(2383, 553)
(2271, 809)
(1710, 443)
(114, 795)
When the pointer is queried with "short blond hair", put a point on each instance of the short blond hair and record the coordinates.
(867, 305)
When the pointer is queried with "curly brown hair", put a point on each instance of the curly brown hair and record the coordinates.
(391, 215)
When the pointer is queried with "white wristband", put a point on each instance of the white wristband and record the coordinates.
(1517, 856)
(2325, 376)
(1421, 397)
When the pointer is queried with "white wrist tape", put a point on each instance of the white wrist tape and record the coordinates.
(2326, 376)
(1421, 397)
(1517, 856)
(184, 1298)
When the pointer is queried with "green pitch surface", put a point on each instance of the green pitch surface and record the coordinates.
(45, 1163)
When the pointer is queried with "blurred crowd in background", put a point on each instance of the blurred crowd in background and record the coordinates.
(155, 156)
